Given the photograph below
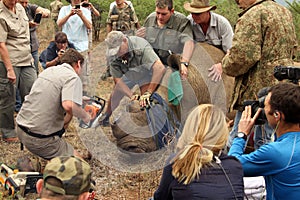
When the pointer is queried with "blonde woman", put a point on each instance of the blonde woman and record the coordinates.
(200, 170)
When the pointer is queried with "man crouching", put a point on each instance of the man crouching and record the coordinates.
(48, 109)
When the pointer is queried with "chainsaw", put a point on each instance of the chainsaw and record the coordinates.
(94, 106)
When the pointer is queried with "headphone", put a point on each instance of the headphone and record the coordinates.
(276, 114)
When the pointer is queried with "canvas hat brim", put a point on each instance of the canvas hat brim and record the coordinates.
(191, 9)
(113, 51)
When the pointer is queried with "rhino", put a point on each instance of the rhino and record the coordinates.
(129, 123)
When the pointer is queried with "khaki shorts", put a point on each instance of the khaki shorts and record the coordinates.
(46, 148)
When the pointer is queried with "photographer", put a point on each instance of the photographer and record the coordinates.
(50, 56)
(279, 161)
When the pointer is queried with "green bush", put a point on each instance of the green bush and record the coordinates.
(227, 8)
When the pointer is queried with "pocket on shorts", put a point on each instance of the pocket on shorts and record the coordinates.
(5, 87)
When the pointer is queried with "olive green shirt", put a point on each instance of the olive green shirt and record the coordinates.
(171, 37)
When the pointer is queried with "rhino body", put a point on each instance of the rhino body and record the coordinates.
(129, 123)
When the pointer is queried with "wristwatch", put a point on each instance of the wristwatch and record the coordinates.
(185, 63)
(241, 135)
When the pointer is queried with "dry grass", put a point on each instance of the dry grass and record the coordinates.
(110, 183)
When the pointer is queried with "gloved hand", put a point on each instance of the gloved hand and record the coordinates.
(134, 97)
(215, 72)
(145, 100)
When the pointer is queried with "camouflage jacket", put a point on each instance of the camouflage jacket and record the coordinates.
(55, 6)
(264, 38)
(122, 19)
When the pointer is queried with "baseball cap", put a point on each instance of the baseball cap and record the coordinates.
(114, 40)
(73, 173)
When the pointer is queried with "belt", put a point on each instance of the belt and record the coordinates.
(37, 135)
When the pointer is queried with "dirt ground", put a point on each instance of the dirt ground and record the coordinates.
(115, 177)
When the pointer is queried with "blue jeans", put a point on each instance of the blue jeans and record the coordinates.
(18, 101)
(262, 134)
(234, 129)
(35, 55)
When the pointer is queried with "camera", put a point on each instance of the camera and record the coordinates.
(287, 72)
(85, 4)
(37, 18)
(77, 6)
(256, 104)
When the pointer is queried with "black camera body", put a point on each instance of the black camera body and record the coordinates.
(287, 72)
(85, 4)
(255, 105)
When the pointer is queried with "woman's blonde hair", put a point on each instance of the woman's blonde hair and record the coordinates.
(205, 134)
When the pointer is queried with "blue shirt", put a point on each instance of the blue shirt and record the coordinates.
(278, 162)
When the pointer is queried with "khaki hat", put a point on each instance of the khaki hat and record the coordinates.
(114, 40)
(73, 172)
(198, 6)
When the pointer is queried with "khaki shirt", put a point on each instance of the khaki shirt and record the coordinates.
(42, 111)
(14, 32)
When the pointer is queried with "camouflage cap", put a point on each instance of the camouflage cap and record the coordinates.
(114, 40)
(73, 172)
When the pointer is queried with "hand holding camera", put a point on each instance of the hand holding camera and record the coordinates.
(85, 4)
(60, 53)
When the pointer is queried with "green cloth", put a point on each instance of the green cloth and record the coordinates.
(175, 91)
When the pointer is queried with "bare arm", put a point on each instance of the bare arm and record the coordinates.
(67, 120)
(158, 72)
(6, 60)
(186, 57)
(108, 28)
(94, 10)
(86, 22)
(75, 110)
(45, 12)
(53, 62)
(122, 87)
(63, 20)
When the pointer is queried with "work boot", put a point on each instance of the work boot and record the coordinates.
(104, 120)
(106, 74)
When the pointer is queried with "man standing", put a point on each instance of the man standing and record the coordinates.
(169, 32)
(31, 11)
(122, 17)
(133, 62)
(75, 22)
(209, 27)
(264, 37)
(15, 63)
(55, 7)
(55, 97)
(279, 161)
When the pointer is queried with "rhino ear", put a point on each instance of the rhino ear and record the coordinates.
(174, 61)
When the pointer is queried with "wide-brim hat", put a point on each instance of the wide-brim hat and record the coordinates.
(198, 6)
